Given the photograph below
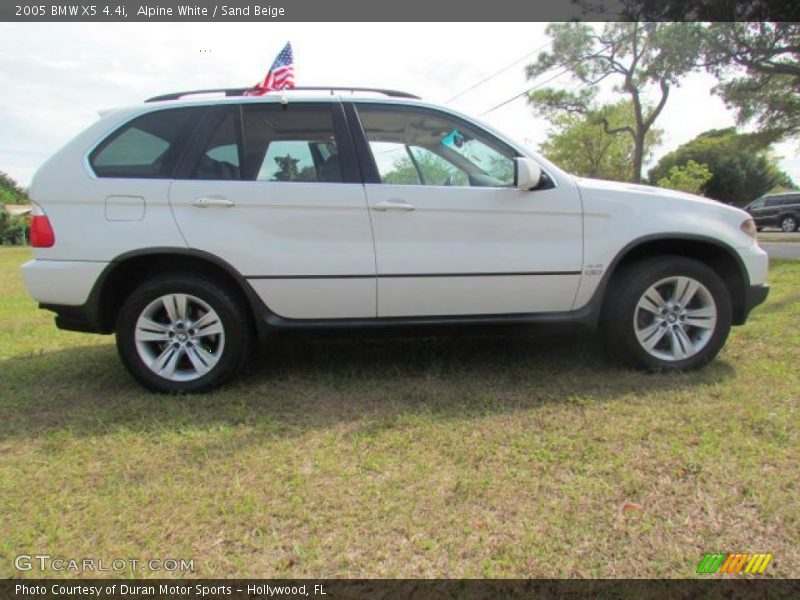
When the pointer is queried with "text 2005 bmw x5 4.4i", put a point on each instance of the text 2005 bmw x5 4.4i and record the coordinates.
(192, 227)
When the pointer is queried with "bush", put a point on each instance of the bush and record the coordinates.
(741, 165)
(11, 192)
(690, 178)
(14, 231)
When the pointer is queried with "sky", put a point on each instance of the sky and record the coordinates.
(55, 77)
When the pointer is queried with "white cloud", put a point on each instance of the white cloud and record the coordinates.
(56, 76)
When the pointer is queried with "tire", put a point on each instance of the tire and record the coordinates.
(788, 224)
(161, 349)
(674, 335)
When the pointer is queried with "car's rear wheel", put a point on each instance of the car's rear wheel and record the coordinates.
(789, 224)
(183, 333)
(667, 313)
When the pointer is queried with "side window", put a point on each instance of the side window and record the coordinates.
(288, 161)
(394, 163)
(435, 170)
(419, 146)
(147, 147)
(221, 157)
(296, 143)
(776, 201)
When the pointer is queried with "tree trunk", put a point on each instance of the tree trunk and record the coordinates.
(638, 156)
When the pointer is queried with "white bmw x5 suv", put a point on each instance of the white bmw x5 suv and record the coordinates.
(194, 226)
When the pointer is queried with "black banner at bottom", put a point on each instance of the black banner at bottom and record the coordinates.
(389, 589)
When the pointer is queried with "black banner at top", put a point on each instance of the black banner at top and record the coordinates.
(407, 10)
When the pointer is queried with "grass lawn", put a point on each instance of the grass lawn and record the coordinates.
(531, 456)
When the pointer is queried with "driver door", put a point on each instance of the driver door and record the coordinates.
(453, 236)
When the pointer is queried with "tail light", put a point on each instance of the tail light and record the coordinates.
(749, 227)
(42, 235)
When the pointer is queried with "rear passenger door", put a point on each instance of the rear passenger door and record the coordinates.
(275, 191)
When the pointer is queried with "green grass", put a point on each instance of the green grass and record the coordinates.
(493, 457)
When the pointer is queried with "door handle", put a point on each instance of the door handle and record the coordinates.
(213, 201)
(392, 205)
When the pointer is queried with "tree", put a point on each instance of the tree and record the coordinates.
(741, 164)
(690, 178)
(11, 192)
(434, 169)
(13, 230)
(288, 170)
(640, 57)
(579, 144)
(758, 66)
(403, 172)
(688, 10)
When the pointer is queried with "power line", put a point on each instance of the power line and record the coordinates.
(528, 91)
(501, 71)
(567, 66)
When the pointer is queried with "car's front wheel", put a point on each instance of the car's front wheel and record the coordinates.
(788, 224)
(667, 313)
(183, 333)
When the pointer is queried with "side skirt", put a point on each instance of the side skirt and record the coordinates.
(585, 318)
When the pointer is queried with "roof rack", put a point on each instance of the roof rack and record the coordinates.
(241, 91)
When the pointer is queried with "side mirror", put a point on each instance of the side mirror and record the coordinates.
(528, 173)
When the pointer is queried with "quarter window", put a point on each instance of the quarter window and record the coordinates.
(418, 146)
(147, 147)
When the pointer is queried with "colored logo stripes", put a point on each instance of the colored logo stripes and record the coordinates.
(737, 562)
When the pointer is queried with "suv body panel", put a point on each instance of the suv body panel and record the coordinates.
(79, 204)
(613, 209)
(65, 282)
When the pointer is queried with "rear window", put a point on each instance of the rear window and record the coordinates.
(146, 147)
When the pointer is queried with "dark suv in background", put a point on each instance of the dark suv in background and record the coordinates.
(776, 210)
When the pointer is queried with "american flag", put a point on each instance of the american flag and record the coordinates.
(280, 75)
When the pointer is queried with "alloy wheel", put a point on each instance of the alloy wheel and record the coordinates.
(179, 337)
(675, 318)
